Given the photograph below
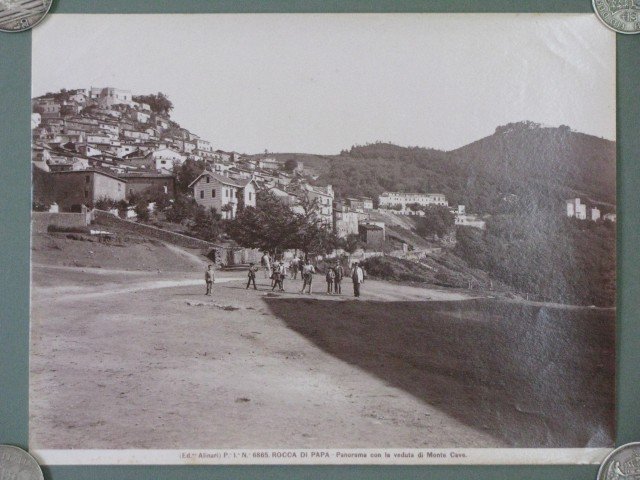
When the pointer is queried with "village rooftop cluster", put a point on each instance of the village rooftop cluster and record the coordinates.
(97, 143)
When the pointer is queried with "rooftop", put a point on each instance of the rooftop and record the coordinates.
(222, 179)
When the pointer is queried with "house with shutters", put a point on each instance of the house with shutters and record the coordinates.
(212, 190)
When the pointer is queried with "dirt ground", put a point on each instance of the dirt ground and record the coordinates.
(142, 359)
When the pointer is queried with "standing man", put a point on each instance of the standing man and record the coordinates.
(307, 276)
(294, 268)
(266, 263)
(330, 277)
(252, 276)
(209, 278)
(278, 276)
(339, 271)
(283, 274)
(357, 275)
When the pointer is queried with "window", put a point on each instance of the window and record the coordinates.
(87, 178)
(250, 195)
(213, 193)
(201, 193)
(86, 193)
(207, 179)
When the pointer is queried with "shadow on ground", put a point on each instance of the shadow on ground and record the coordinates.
(532, 376)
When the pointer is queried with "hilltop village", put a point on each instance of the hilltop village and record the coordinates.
(105, 143)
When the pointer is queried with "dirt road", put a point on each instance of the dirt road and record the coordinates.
(147, 361)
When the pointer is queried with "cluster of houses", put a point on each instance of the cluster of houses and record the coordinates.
(577, 209)
(99, 143)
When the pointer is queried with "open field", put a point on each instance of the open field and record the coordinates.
(142, 359)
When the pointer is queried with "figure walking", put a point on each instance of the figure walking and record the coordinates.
(209, 278)
(252, 276)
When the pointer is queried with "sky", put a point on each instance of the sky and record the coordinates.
(320, 83)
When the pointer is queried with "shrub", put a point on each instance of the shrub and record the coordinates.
(62, 229)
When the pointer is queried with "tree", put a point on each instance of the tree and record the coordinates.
(350, 244)
(437, 220)
(187, 173)
(142, 210)
(290, 165)
(105, 203)
(159, 103)
(273, 227)
(270, 226)
(206, 224)
(181, 209)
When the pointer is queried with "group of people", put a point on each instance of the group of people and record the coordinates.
(277, 270)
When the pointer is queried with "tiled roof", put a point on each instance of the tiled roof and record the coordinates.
(222, 179)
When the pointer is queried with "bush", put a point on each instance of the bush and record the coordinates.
(61, 229)
(142, 210)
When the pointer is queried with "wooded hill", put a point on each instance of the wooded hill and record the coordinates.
(522, 166)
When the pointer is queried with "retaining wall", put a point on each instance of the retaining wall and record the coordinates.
(40, 221)
(109, 220)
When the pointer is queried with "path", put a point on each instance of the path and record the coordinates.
(161, 366)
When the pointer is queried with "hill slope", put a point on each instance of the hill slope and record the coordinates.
(521, 166)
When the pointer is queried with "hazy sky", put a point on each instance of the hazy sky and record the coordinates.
(321, 83)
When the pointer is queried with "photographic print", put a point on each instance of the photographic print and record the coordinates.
(323, 238)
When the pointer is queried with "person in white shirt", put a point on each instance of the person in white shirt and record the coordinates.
(266, 263)
(357, 275)
(307, 276)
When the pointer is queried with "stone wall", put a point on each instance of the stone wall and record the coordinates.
(109, 220)
(40, 221)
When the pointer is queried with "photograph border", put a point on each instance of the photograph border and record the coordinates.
(15, 89)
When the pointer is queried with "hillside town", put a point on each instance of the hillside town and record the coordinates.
(97, 144)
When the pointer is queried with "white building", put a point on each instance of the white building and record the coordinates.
(595, 214)
(323, 196)
(269, 164)
(464, 219)
(403, 200)
(107, 97)
(36, 120)
(576, 209)
(345, 222)
(223, 193)
(165, 159)
(203, 145)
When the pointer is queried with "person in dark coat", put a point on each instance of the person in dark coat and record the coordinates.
(252, 276)
(339, 272)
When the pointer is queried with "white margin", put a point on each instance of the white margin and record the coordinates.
(346, 456)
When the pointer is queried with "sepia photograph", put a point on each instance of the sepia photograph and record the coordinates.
(323, 238)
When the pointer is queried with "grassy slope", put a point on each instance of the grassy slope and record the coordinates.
(128, 253)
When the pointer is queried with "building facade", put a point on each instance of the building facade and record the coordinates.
(85, 187)
(225, 194)
(142, 182)
(576, 209)
(395, 199)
